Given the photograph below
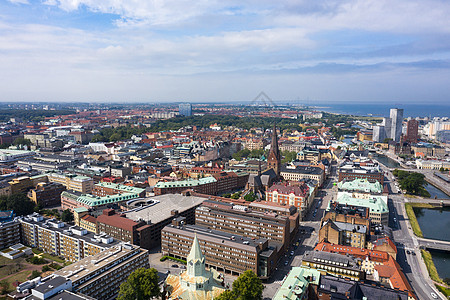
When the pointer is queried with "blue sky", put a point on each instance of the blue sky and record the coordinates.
(167, 50)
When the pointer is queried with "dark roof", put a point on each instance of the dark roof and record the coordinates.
(51, 284)
(303, 170)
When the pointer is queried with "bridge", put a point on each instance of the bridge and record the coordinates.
(434, 202)
(434, 244)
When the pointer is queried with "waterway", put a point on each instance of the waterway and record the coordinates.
(435, 192)
(435, 224)
(441, 260)
(387, 161)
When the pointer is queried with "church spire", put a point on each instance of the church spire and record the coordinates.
(274, 144)
(195, 260)
(196, 252)
(274, 159)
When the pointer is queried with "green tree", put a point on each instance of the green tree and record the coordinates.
(35, 274)
(67, 216)
(19, 203)
(22, 141)
(141, 284)
(248, 286)
(227, 295)
(45, 268)
(235, 196)
(250, 197)
(289, 156)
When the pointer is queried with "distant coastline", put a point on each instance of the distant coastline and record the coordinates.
(382, 110)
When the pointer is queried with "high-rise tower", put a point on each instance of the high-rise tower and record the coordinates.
(397, 122)
(274, 159)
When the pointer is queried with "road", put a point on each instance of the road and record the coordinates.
(308, 237)
(412, 265)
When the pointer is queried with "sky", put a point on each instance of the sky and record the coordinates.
(364, 51)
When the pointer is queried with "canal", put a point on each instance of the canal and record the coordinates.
(387, 161)
(435, 224)
(435, 192)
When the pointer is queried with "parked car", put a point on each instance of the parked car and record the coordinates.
(174, 266)
(286, 263)
(434, 296)
(407, 251)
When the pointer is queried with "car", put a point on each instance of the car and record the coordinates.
(286, 263)
(434, 296)
(407, 251)
(174, 266)
(413, 253)
(292, 252)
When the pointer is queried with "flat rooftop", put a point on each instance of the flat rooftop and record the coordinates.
(91, 264)
(161, 207)
(219, 237)
(89, 237)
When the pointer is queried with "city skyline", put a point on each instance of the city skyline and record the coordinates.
(60, 50)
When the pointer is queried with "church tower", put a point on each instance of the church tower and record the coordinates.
(195, 260)
(274, 159)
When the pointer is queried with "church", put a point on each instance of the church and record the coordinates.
(259, 183)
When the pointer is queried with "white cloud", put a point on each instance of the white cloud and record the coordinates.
(19, 1)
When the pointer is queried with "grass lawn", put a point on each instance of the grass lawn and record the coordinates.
(8, 267)
(430, 266)
(412, 218)
(443, 290)
(53, 257)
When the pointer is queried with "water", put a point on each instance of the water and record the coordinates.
(388, 162)
(434, 191)
(382, 109)
(442, 262)
(434, 222)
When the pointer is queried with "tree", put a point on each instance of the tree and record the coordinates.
(248, 286)
(19, 203)
(227, 295)
(141, 284)
(45, 268)
(22, 141)
(67, 216)
(4, 287)
(250, 197)
(35, 274)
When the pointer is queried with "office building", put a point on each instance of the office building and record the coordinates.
(344, 233)
(378, 133)
(334, 264)
(82, 184)
(101, 275)
(373, 207)
(158, 212)
(223, 251)
(185, 109)
(47, 194)
(71, 200)
(119, 227)
(372, 175)
(102, 189)
(303, 172)
(397, 123)
(55, 237)
(360, 186)
(241, 220)
(412, 131)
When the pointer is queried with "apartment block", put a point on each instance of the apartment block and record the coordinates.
(101, 275)
(55, 237)
(232, 254)
(82, 184)
(9, 233)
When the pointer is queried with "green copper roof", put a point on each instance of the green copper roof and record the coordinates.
(185, 183)
(97, 201)
(361, 185)
(121, 187)
(376, 204)
(296, 283)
